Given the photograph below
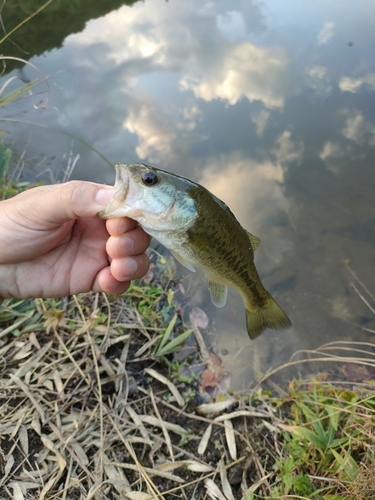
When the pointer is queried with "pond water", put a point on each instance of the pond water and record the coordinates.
(270, 105)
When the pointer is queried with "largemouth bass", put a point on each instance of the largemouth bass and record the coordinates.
(200, 231)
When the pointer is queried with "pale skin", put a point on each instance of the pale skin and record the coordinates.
(53, 244)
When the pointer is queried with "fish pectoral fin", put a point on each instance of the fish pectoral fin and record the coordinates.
(219, 293)
(254, 240)
(182, 261)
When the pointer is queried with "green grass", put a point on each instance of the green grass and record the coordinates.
(327, 441)
(312, 439)
(69, 367)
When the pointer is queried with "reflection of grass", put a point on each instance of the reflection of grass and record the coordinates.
(34, 12)
(19, 91)
(25, 88)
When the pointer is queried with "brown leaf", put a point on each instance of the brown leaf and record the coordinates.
(217, 366)
(209, 379)
(321, 377)
(354, 372)
(149, 277)
(213, 374)
(200, 317)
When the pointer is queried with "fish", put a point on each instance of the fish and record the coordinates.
(201, 232)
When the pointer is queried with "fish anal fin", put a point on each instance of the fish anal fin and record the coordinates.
(182, 261)
(219, 293)
(269, 316)
(254, 240)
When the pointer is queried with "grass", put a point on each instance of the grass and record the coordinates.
(18, 87)
(97, 401)
(95, 405)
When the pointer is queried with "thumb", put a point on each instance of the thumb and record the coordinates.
(74, 199)
(50, 206)
(84, 199)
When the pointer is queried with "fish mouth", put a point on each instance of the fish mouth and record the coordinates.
(117, 203)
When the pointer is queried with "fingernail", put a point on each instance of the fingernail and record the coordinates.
(104, 195)
(130, 266)
(127, 245)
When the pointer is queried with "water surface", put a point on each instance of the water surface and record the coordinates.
(269, 104)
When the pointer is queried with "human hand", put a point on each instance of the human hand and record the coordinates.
(52, 243)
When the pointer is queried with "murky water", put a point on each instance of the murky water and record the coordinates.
(270, 105)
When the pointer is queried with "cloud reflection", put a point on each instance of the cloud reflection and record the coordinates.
(286, 149)
(244, 70)
(258, 107)
(326, 33)
(253, 190)
(348, 84)
(155, 135)
(147, 87)
(357, 128)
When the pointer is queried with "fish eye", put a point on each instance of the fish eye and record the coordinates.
(150, 178)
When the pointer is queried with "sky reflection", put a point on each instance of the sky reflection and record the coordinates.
(269, 105)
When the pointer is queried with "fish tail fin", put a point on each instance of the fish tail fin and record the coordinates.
(269, 316)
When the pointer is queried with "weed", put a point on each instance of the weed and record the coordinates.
(164, 347)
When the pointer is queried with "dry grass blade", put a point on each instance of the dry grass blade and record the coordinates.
(365, 288)
(189, 464)
(363, 299)
(205, 440)
(138, 466)
(149, 419)
(213, 491)
(8, 467)
(255, 486)
(210, 409)
(79, 418)
(17, 491)
(163, 427)
(224, 481)
(146, 346)
(180, 400)
(16, 324)
(231, 440)
(25, 389)
(153, 472)
(138, 422)
(25, 20)
(327, 354)
(201, 343)
(241, 413)
(138, 495)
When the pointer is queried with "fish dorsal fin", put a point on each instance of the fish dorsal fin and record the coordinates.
(219, 293)
(254, 240)
(182, 261)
